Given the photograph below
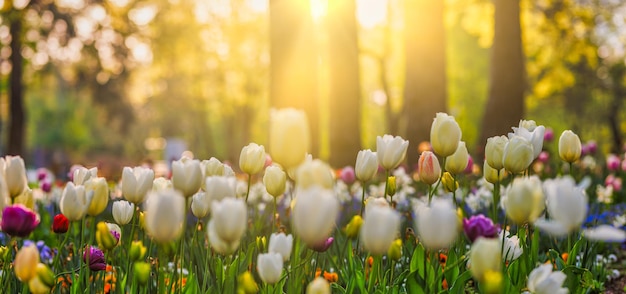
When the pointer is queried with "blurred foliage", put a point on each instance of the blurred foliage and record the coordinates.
(105, 76)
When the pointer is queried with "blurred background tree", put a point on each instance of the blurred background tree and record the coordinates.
(121, 81)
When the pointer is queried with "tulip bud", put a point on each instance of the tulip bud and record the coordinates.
(18, 220)
(390, 151)
(26, 199)
(104, 237)
(289, 137)
(15, 175)
(379, 229)
(4, 251)
(391, 186)
(518, 155)
(429, 169)
(230, 217)
(492, 175)
(95, 258)
(252, 158)
(493, 282)
(524, 201)
(457, 162)
(60, 224)
(494, 151)
(46, 276)
(270, 267)
(81, 175)
(212, 167)
(25, 263)
(261, 242)
(318, 286)
(246, 284)
(186, 176)
(281, 243)
(449, 183)
(569, 146)
(165, 211)
(200, 204)
(141, 271)
(136, 182)
(485, 256)
(323, 246)
(137, 251)
(98, 191)
(74, 202)
(123, 212)
(479, 226)
(354, 226)
(275, 180)
(314, 214)
(160, 184)
(37, 286)
(366, 165)
(315, 172)
(445, 135)
(395, 250)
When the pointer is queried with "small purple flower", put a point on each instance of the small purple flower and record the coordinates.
(324, 246)
(592, 147)
(18, 220)
(42, 173)
(96, 258)
(347, 175)
(479, 226)
(45, 253)
(548, 135)
(45, 185)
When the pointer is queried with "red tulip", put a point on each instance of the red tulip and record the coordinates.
(60, 224)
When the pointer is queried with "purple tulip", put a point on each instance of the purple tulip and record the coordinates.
(324, 246)
(18, 220)
(479, 226)
(96, 258)
(347, 175)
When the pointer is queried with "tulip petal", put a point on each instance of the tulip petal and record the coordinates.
(605, 233)
(551, 227)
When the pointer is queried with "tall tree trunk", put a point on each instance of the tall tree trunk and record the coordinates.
(293, 69)
(505, 106)
(345, 96)
(425, 91)
(16, 94)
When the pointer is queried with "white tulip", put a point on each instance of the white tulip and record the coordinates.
(542, 280)
(220, 187)
(160, 184)
(74, 202)
(164, 215)
(200, 204)
(123, 212)
(457, 162)
(445, 134)
(366, 165)
(524, 201)
(186, 176)
(314, 214)
(315, 173)
(512, 249)
(518, 155)
(567, 205)
(570, 147)
(391, 151)
(437, 225)
(319, 285)
(281, 243)
(532, 133)
(484, 257)
(379, 229)
(494, 151)
(212, 167)
(15, 175)
(275, 180)
(136, 182)
(289, 137)
(252, 158)
(270, 267)
(82, 175)
(230, 218)
(219, 245)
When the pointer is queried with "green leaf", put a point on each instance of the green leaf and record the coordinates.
(413, 283)
(459, 283)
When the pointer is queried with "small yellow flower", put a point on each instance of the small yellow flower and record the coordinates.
(449, 184)
(353, 227)
(137, 251)
(391, 186)
(493, 282)
(247, 285)
(395, 250)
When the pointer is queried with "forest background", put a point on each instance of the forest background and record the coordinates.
(110, 83)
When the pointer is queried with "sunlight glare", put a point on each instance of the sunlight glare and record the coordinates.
(259, 5)
(371, 13)
(319, 8)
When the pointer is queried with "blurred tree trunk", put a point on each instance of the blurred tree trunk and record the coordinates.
(617, 72)
(15, 145)
(345, 96)
(505, 106)
(293, 69)
(425, 91)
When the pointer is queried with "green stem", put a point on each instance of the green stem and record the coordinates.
(393, 267)
(387, 184)
(274, 215)
(363, 197)
(496, 198)
(249, 183)
(373, 273)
